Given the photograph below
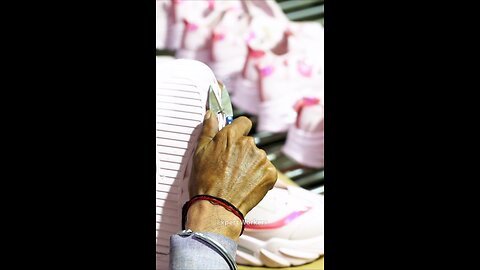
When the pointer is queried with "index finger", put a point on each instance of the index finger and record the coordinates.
(239, 127)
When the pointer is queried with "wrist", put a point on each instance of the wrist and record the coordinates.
(204, 216)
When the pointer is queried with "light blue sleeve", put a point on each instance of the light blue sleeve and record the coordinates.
(190, 253)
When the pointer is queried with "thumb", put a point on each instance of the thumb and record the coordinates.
(210, 129)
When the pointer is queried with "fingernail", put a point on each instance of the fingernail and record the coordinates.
(207, 115)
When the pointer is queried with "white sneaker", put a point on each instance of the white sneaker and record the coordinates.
(286, 228)
(293, 53)
(305, 139)
(241, 24)
(198, 22)
(264, 34)
(274, 78)
(182, 92)
(285, 78)
(184, 9)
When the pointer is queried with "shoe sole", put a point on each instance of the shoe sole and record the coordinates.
(181, 99)
(277, 252)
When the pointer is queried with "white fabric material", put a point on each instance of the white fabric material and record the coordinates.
(174, 36)
(246, 95)
(162, 22)
(276, 115)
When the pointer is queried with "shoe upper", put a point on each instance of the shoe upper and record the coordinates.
(229, 36)
(192, 21)
(290, 213)
(286, 73)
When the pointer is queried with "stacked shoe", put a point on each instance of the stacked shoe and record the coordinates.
(196, 36)
(305, 139)
(265, 34)
(285, 73)
(255, 22)
(219, 37)
(171, 15)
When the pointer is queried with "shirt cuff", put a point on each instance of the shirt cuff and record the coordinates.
(189, 253)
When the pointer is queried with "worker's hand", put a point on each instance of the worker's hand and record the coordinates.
(228, 165)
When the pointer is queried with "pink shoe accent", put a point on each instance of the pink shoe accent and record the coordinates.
(288, 32)
(266, 71)
(307, 101)
(305, 69)
(218, 36)
(175, 7)
(279, 223)
(190, 26)
(255, 53)
(251, 55)
(211, 4)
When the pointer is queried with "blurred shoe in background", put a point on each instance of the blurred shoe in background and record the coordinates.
(163, 20)
(198, 25)
(284, 60)
(287, 73)
(228, 46)
(305, 139)
(265, 34)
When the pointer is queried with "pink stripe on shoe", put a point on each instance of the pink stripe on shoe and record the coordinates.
(277, 224)
(266, 71)
(304, 69)
(211, 4)
(255, 53)
(217, 36)
(190, 26)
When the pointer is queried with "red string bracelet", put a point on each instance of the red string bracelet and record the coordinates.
(216, 201)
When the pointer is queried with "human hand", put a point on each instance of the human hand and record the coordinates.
(228, 165)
